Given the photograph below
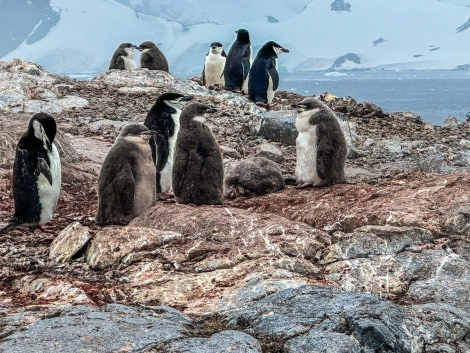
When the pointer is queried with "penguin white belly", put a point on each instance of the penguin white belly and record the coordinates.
(129, 63)
(306, 149)
(214, 68)
(166, 181)
(270, 91)
(144, 196)
(49, 194)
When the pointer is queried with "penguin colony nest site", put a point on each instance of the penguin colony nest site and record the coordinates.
(403, 176)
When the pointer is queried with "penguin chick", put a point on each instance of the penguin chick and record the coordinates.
(320, 146)
(264, 77)
(198, 171)
(213, 72)
(123, 57)
(163, 119)
(151, 57)
(126, 184)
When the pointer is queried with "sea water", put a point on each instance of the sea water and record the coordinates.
(434, 95)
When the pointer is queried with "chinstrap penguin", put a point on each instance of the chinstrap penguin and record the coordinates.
(264, 77)
(151, 57)
(37, 174)
(126, 184)
(213, 72)
(237, 64)
(163, 119)
(320, 146)
(198, 172)
(123, 57)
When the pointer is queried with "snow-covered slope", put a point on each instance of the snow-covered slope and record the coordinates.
(380, 34)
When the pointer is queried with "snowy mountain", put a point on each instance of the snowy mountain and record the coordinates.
(71, 36)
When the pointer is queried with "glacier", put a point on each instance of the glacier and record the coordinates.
(383, 35)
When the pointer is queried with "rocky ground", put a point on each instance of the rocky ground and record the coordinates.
(380, 264)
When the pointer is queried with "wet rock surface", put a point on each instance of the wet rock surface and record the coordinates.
(379, 264)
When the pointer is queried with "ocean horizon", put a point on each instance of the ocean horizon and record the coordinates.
(432, 94)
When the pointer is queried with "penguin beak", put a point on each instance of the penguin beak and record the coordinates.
(186, 98)
(211, 110)
(146, 135)
(279, 50)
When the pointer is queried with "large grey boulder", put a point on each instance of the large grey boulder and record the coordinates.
(115, 328)
(222, 342)
(377, 325)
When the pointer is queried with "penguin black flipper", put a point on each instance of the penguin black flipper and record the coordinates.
(272, 71)
(162, 153)
(204, 75)
(119, 63)
(325, 153)
(330, 148)
(25, 189)
(44, 169)
(245, 66)
(181, 159)
(125, 186)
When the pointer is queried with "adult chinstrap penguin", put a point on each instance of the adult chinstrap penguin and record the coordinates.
(126, 184)
(163, 119)
(320, 146)
(213, 72)
(198, 171)
(264, 77)
(237, 64)
(37, 174)
(151, 57)
(123, 57)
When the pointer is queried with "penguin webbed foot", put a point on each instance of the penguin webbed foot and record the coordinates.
(304, 185)
(166, 196)
(43, 228)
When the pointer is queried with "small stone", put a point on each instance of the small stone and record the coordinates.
(270, 152)
(451, 122)
(230, 152)
(70, 241)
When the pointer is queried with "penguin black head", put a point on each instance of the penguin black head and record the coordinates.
(172, 100)
(270, 48)
(217, 48)
(127, 46)
(195, 113)
(243, 36)
(42, 127)
(146, 45)
(308, 103)
(135, 131)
